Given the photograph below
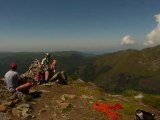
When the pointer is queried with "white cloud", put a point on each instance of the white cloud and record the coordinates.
(153, 38)
(127, 40)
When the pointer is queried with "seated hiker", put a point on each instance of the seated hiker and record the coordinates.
(39, 76)
(53, 66)
(45, 65)
(14, 82)
(57, 76)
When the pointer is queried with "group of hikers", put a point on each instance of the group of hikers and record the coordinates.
(47, 71)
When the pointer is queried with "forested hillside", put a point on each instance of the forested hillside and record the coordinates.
(129, 69)
(68, 61)
(115, 72)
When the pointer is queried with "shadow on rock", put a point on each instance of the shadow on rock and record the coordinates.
(36, 94)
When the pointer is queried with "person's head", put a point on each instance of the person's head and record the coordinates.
(47, 55)
(54, 61)
(13, 66)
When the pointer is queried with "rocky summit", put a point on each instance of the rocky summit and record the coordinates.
(74, 101)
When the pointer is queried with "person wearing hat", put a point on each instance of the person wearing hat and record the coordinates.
(14, 82)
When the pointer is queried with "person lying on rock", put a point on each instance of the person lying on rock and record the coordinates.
(14, 82)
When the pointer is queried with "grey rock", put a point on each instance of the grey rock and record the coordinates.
(3, 108)
(87, 97)
(5, 116)
(67, 96)
(139, 96)
(23, 106)
(8, 103)
(22, 110)
(17, 95)
(79, 80)
(16, 112)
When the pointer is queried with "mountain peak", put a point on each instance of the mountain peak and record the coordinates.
(73, 101)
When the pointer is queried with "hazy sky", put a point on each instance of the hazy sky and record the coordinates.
(84, 25)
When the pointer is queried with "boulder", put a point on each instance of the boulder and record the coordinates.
(67, 96)
(139, 96)
(5, 116)
(3, 108)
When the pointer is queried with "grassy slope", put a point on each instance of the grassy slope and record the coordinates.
(126, 69)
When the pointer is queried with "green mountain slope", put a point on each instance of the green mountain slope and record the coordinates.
(130, 69)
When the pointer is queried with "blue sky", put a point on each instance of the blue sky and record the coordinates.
(83, 25)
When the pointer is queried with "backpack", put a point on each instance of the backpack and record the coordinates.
(143, 115)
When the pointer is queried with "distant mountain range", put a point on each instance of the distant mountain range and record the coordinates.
(116, 72)
(128, 69)
(67, 60)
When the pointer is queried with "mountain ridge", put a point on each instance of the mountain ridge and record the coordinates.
(118, 71)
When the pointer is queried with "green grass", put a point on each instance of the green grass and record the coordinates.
(129, 108)
(152, 100)
(130, 93)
